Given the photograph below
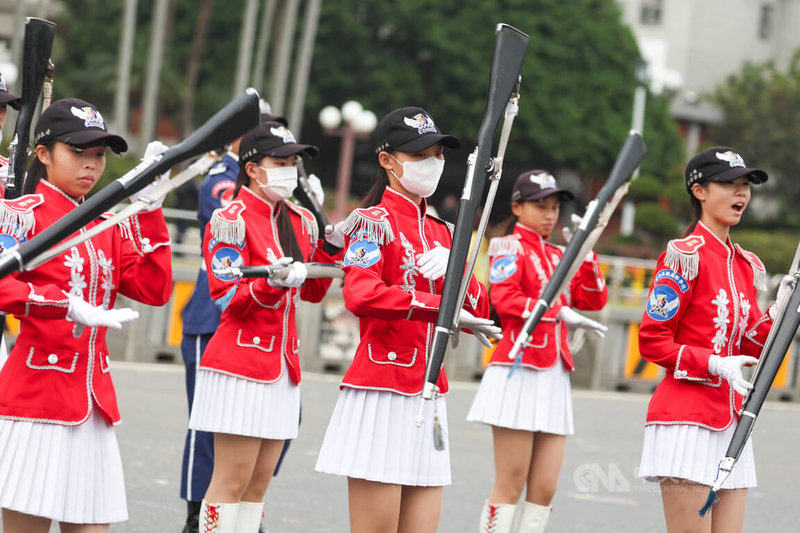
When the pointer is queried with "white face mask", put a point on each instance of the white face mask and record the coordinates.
(421, 177)
(281, 182)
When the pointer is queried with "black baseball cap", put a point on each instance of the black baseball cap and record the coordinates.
(720, 164)
(409, 129)
(78, 123)
(536, 185)
(272, 139)
(6, 97)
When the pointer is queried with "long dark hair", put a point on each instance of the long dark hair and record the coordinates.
(36, 171)
(697, 212)
(286, 236)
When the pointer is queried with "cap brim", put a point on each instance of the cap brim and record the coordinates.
(9, 99)
(292, 149)
(91, 137)
(753, 174)
(564, 195)
(424, 141)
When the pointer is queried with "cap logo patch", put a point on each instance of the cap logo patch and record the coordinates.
(733, 159)
(3, 86)
(545, 180)
(422, 122)
(284, 134)
(91, 117)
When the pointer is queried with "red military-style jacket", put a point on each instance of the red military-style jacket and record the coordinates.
(50, 375)
(257, 328)
(396, 306)
(702, 302)
(522, 264)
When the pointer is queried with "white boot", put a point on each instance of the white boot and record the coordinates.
(533, 518)
(218, 517)
(496, 518)
(250, 515)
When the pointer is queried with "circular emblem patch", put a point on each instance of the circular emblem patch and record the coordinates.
(663, 303)
(362, 253)
(502, 268)
(226, 258)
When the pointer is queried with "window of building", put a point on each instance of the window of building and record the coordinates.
(651, 12)
(765, 21)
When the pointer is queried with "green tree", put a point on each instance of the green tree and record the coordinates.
(762, 122)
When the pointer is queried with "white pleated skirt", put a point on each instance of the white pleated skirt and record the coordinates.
(529, 400)
(693, 453)
(65, 473)
(372, 435)
(227, 404)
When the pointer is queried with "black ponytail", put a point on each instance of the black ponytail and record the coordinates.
(36, 171)
(697, 213)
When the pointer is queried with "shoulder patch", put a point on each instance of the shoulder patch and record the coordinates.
(16, 216)
(362, 251)
(373, 221)
(663, 303)
(759, 270)
(503, 267)
(219, 168)
(227, 223)
(508, 244)
(226, 257)
(683, 255)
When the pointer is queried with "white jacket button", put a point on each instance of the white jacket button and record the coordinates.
(391, 356)
(256, 340)
(52, 359)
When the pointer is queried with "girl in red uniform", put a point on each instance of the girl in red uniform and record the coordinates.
(247, 390)
(394, 266)
(702, 324)
(530, 411)
(59, 458)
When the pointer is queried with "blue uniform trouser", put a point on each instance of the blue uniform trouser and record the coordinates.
(198, 452)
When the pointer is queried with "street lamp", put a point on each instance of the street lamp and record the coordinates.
(637, 123)
(350, 123)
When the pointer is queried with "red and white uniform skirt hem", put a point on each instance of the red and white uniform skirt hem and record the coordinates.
(372, 435)
(66, 473)
(690, 452)
(229, 404)
(529, 400)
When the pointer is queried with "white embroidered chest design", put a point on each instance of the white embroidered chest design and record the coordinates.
(540, 273)
(77, 281)
(409, 265)
(106, 277)
(744, 306)
(721, 321)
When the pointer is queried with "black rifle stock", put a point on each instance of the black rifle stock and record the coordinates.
(509, 52)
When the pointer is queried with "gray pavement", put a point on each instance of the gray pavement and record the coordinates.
(598, 489)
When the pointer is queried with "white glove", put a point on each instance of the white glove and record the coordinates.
(153, 150)
(334, 234)
(783, 288)
(482, 328)
(576, 320)
(567, 231)
(730, 368)
(297, 273)
(433, 263)
(316, 188)
(85, 314)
